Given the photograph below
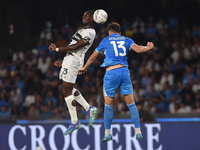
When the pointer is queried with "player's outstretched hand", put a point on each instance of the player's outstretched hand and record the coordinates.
(58, 63)
(81, 71)
(52, 47)
(150, 45)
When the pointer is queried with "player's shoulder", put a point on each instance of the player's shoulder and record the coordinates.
(105, 39)
(125, 37)
(128, 39)
(90, 30)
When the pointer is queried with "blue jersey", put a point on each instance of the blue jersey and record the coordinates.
(116, 49)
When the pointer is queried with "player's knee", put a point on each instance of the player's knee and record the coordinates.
(130, 101)
(73, 103)
(75, 92)
(70, 100)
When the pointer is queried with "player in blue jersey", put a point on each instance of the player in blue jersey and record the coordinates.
(117, 75)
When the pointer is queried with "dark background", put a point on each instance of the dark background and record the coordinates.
(29, 17)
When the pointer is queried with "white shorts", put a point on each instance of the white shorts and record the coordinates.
(69, 70)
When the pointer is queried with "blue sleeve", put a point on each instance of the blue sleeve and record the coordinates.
(101, 46)
(131, 42)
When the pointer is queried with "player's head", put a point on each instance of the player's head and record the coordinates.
(88, 18)
(114, 27)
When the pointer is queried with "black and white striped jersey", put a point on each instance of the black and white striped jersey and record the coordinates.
(88, 36)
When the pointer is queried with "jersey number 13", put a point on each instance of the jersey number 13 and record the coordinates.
(120, 45)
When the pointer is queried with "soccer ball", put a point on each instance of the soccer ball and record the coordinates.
(100, 16)
(39, 148)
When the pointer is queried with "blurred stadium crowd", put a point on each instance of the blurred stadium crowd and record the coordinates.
(165, 79)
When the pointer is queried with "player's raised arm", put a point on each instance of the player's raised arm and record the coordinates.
(89, 62)
(141, 49)
(75, 46)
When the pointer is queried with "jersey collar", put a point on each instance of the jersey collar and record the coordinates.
(116, 34)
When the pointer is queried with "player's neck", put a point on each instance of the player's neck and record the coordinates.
(89, 26)
(111, 32)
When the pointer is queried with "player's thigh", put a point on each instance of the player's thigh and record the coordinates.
(129, 99)
(69, 70)
(126, 87)
(111, 83)
(67, 88)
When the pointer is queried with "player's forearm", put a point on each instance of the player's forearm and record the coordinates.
(71, 47)
(89, 63)
(142, 49)
(67, 48)
(91, 59)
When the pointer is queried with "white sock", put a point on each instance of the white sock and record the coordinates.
(137, 130)
(107, 131)
(81, 100)
(72, 109)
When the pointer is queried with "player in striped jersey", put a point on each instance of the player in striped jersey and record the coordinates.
(73, 61)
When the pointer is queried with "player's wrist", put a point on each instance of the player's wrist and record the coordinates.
(57, 49)
(148, 47)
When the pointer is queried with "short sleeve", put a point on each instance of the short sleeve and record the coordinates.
(131, 42)
(87, 35)
(101, 46)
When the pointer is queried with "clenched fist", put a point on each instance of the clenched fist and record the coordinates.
(52, 47)
(58, 63)
(150, 45)
(81, 71)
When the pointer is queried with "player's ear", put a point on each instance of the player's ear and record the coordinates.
(109, 32)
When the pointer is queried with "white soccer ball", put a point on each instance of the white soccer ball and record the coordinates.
(100, 16)
(39, 148)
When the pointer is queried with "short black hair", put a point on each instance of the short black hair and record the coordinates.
(90, 11)
(114, 26)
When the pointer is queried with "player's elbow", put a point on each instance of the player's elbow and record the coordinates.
(74, 47)
(138, 50)
(94, 56)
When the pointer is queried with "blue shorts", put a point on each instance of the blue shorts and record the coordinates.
(117, 78)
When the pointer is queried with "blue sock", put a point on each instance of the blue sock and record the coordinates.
(88, 112)
(108, 116)
(134, 114)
